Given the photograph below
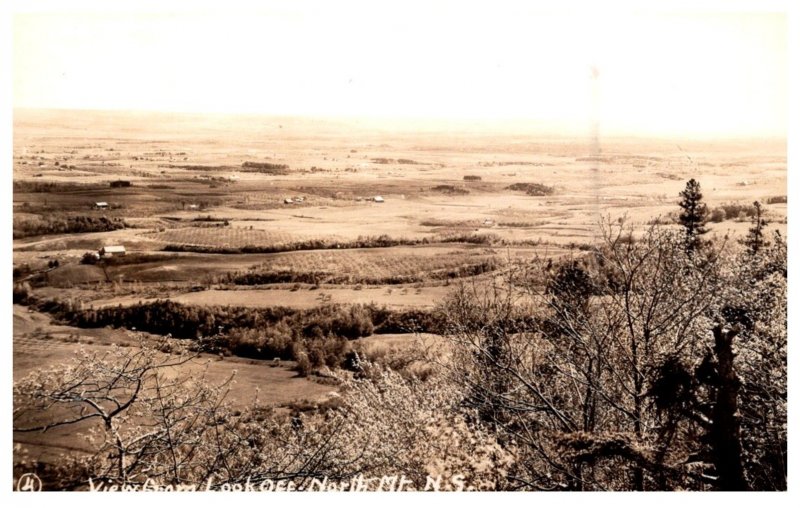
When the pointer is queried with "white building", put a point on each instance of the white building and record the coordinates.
(112, 250)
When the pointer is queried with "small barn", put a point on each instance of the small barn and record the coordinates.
(378, 199)
(288, 201)
(101, 205)
(112, 250)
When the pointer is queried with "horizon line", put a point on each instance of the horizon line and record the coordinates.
(538, 125)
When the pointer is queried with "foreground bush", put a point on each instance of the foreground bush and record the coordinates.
(147, 424)
(644, 367)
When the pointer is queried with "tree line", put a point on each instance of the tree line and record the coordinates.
(264, 333)
(69, 224)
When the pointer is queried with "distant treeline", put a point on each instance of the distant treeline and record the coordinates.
(26, 186)
(473, 238)
(265, 167)
(726, 211)
(384, 160)
(731, 211)
(595, 158)
(317, 336)
(316, 244)
(468, 270)
(209, 218)
(450, 189)
(25, 227)
(197, 167)
(274, 277)
(532, 189)
(256, 278)
(513, 163)
(319, 244)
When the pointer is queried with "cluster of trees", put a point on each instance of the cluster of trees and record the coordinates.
(694, 216)
(27, 186)
(731, 211)
(258, 277)
(725, 211)
(362, 242)
(197, 167)
(450, 189)
(473, 238)
(532, 189)
(21, 293)
(267, 333)
(255, 278)
(467, 270)
(24, 227)
(491, 164)
(265, 167)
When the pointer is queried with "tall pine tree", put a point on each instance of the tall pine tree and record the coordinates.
(694, 215)
(755, 241)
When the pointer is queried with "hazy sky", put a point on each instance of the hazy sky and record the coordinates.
(647, 73)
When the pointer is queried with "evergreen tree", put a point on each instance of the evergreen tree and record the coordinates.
(754, 241)
(571, 288)
(694, 215)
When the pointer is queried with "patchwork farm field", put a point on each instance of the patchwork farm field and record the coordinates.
(222, 237)
(266, 234)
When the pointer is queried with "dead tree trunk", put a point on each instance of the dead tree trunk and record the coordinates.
(726, 441)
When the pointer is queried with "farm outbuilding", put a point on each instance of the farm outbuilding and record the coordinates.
(112, 250)
(378, 199)
(288, 201)
(101, 205)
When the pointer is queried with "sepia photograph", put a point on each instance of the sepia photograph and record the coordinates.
(397, 247)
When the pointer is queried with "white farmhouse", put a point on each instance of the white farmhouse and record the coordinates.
(112, 250)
